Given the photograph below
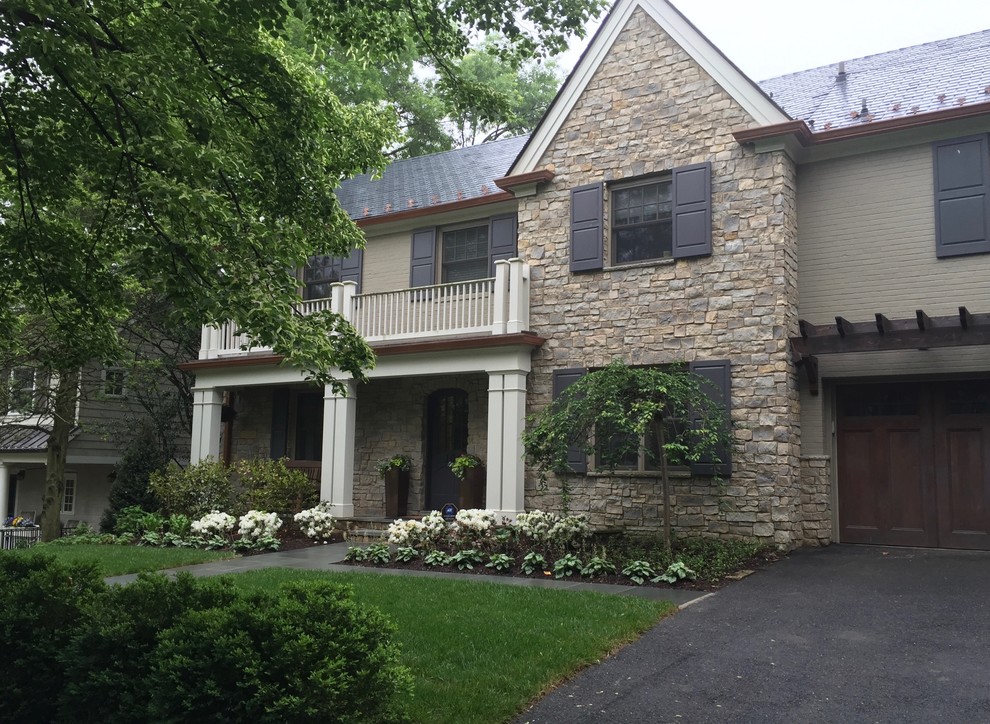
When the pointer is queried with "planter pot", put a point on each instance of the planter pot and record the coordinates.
(396, 493)
(473, 488)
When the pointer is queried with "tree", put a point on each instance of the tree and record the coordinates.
(187, 148)
(618, 411)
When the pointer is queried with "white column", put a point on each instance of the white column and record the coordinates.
(518, 320)
(347, 300)
(505, 488)
(4, 490)
(337, 477)
(204, 343)
(501, 301)
(207, 404)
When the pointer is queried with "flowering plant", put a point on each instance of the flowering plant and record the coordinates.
(462, 463)
(396, 462)
(473, 523)
(316, 522)
(430, 530)
(255, 525)
(213, 524)
(545, 527)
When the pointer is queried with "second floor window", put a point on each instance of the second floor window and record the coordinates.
(115, 382)
(464, 254)
(641, 222)
(20, 398)
(319, 274)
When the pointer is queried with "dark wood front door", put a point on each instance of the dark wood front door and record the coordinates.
(913, 465)
(446, 438)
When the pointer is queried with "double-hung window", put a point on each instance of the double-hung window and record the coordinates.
(69, 494)
(115, 382)
(464, 254)
(642, 225)
(20, 387)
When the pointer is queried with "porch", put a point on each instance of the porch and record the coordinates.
(494, 306)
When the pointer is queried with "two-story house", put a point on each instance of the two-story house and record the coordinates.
(817, 246)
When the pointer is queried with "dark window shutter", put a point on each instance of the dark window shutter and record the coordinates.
(280, 423)
(422, 270)
(350, 267)
(501, 240)
(717, 374)
(587, 251)
(962, 196)
(692, 211)
(562, 379)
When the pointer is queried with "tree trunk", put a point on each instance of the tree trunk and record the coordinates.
(665, 487)
(58, 442)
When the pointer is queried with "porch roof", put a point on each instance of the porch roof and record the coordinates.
(26, 439)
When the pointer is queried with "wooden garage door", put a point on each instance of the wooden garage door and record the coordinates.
(914, 464)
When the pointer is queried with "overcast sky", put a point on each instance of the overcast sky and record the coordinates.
(767, 38)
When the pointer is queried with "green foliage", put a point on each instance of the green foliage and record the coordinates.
(638, 571)
(566, 566)
(396, 462)
(533, 562)
(140, 458)
(675, 573)
(356, 554)
(195, 490)
(379, 553)
(499, 561)
(262, 543)
(436, 558)
(467, 559)
(406, 554)
(598, 566)
(462, 463)
(713, 558)
(270, 486)
(41, 603)
(130, 520)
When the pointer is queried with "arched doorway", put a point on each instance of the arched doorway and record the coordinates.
(446, 438)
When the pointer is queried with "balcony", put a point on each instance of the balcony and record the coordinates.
(493, 306)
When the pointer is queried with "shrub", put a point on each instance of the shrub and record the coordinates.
(195, 490)
(141, 457)
(307, 653)
(270, 485)
(41, 603)
(130, 521)
(473, 524)
(428, 532)
(215, 524)
(316, 522)
(543, 527)
(256, 525)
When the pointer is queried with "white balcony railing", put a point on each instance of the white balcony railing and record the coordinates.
(498, 305)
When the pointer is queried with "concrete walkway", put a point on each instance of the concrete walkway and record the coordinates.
(844, 634)
(328, 558)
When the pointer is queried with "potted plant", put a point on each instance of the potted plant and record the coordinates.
(471, 472)
(395, 471)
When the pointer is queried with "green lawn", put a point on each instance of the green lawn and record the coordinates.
(480, 651)
(116, 560)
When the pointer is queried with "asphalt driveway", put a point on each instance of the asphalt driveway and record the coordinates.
(843, 634)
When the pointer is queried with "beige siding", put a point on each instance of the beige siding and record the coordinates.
(866, 241)
(386, 262)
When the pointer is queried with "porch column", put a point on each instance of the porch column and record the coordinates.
(4, 490)
(207, 404)
(337, 476)
(506, 421)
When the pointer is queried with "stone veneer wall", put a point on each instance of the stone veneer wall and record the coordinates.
(252, 427)
(650, 108)
(391, 420)
(816, 499)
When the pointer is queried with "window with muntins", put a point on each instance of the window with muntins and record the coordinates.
(20, 390)
(646, 459)
(464, 254)
(641, 220)
(69, 495)
(115, 382)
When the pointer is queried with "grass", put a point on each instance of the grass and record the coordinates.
(116, 560)
(479, 652)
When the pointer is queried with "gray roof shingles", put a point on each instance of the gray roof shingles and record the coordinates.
(903, 82)
(909, 81)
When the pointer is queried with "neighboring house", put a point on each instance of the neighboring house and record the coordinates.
(817, 246)
(93, 446)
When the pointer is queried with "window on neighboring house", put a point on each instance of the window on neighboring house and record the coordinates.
(464, 254)
(69, 495)
(115, 382)
(21, 390)
(642, 226)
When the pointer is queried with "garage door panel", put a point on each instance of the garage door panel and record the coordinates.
(859, 512)
(907, 505)
(964, 487)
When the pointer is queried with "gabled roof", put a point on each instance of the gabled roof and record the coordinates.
(910, 81)
(25, 439)
(425, 181)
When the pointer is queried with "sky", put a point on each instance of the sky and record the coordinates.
(767, 38)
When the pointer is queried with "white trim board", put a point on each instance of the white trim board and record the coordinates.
(743, 90)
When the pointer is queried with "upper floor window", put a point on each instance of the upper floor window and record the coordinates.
(322, 271)
(21, 389)
(464, 254)
(114, 382)
(641, 222)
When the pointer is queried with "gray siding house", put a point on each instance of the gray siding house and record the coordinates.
(816, 245)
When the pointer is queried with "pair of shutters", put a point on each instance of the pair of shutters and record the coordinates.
(423, 267)
(691, 218)
(962, 196)
(717, 375)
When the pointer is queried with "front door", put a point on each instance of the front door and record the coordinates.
(446, 438)
(914, 464)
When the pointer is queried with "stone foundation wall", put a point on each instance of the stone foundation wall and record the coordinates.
(648, 109)
(816, 500)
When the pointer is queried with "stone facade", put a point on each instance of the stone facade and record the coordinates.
(650, 108)
(816, 499)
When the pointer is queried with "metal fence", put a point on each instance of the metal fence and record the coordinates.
(20, 537)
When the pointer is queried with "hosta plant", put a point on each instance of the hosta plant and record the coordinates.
(499, 561)
(567, 566)
(533, 562)
(598, 566)
(406, 554)
(675, 573)
(638, 571)
(379, 553)
(436, 558)
(467, 559)
(356, 554)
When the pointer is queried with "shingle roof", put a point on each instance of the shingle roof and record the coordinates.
(914, 80)
(439, 178)
(21, 438)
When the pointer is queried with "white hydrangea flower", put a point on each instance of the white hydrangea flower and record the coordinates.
(256, 524)
(316, 522)
(215, 523)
